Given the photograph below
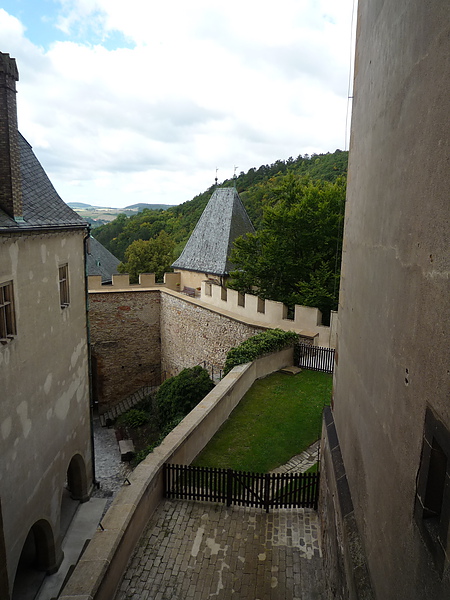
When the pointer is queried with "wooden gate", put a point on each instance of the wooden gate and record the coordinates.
(316, 358)
(265, 490)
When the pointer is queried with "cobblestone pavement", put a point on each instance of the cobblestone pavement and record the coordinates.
(200, 550)
(301, 462)
(110, 471)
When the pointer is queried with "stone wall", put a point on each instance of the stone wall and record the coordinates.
(126, 344)
(192, 334)
(394, 312)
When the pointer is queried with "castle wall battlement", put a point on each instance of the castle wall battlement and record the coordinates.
(247, 308)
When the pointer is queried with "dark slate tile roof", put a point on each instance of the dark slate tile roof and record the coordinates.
(42, 206)
(100, 261)
(223, 220)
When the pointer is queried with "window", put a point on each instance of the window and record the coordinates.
(7, 313)
(64, 285)
(432, 508)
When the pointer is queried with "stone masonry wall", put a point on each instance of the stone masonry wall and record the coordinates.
(192, 334)
(126, 344)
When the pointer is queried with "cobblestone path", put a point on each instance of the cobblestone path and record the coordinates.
(202, 551)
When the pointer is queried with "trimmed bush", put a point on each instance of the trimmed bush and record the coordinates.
(269, 341)
(133, 418)
(178, 395)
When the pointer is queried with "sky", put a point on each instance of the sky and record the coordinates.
(141, 101)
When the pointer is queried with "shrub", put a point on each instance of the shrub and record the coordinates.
(146, 451)
(178, 395)
(133, 418)
(258, 345)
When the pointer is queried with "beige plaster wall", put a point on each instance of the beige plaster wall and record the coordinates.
(126, 341)
(100, 569)
(44, 408)
(393, 340)
(191, 279)
(307, 320)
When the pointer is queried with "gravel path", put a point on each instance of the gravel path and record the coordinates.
(110, 471)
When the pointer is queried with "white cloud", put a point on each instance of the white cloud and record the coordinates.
(199, 85)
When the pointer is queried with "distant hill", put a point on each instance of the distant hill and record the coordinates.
(75, 205)
(255, 188)
(142, 205)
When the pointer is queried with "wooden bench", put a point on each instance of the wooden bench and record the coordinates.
(126, 448)
(189, 291)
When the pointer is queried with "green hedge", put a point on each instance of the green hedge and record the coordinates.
(269, 341)
(178, 395)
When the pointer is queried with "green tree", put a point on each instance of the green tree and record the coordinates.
(295, 255)
(148, 256)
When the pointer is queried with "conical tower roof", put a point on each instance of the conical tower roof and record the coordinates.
(223, 220)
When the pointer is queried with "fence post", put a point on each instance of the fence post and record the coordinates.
(229, 486)
(267, 492)
(316, 497)
(165, 493)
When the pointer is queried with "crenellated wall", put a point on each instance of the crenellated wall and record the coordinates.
(140, 331)
(191, 334)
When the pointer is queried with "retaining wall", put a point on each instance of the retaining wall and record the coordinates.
(100, 569)
(191, 334)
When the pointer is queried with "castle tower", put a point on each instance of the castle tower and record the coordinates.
(208, 249)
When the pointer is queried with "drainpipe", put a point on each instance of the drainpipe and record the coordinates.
(88, 333)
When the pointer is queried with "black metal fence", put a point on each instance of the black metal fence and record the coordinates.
(270, 490)
(316, 358)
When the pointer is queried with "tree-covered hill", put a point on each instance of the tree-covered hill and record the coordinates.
(255, 188)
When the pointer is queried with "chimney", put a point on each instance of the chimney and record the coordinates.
(10, 180)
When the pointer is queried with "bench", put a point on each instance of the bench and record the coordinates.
(126, 448)
(189, 291)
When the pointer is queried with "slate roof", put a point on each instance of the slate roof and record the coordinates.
(100, 261)
(42, 206)
(223, 220)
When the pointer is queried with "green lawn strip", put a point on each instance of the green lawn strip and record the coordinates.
(279, 417)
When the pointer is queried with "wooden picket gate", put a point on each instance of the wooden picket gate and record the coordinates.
(316, 358)
(265, 490)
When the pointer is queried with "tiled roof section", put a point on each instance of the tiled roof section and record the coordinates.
(100, 261)
(223, 220)
(42, 206)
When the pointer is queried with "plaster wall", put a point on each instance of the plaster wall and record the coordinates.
(44, 388)
(393, 338)
(191, 279)
(307, 320)
(126, 342)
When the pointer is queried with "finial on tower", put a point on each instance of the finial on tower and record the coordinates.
(216, 179)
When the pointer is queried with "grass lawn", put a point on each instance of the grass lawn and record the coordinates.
(276, 419)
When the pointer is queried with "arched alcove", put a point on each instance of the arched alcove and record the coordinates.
(77, 480)
(39, 557)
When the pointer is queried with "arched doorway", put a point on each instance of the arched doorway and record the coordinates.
(77, 481)
(74, 492)
(39, 558)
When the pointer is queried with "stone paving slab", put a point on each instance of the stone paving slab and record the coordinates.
(301, 462)
(202, 551)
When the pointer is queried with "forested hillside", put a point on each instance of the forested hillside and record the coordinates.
(297, 207)
(255, 188)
